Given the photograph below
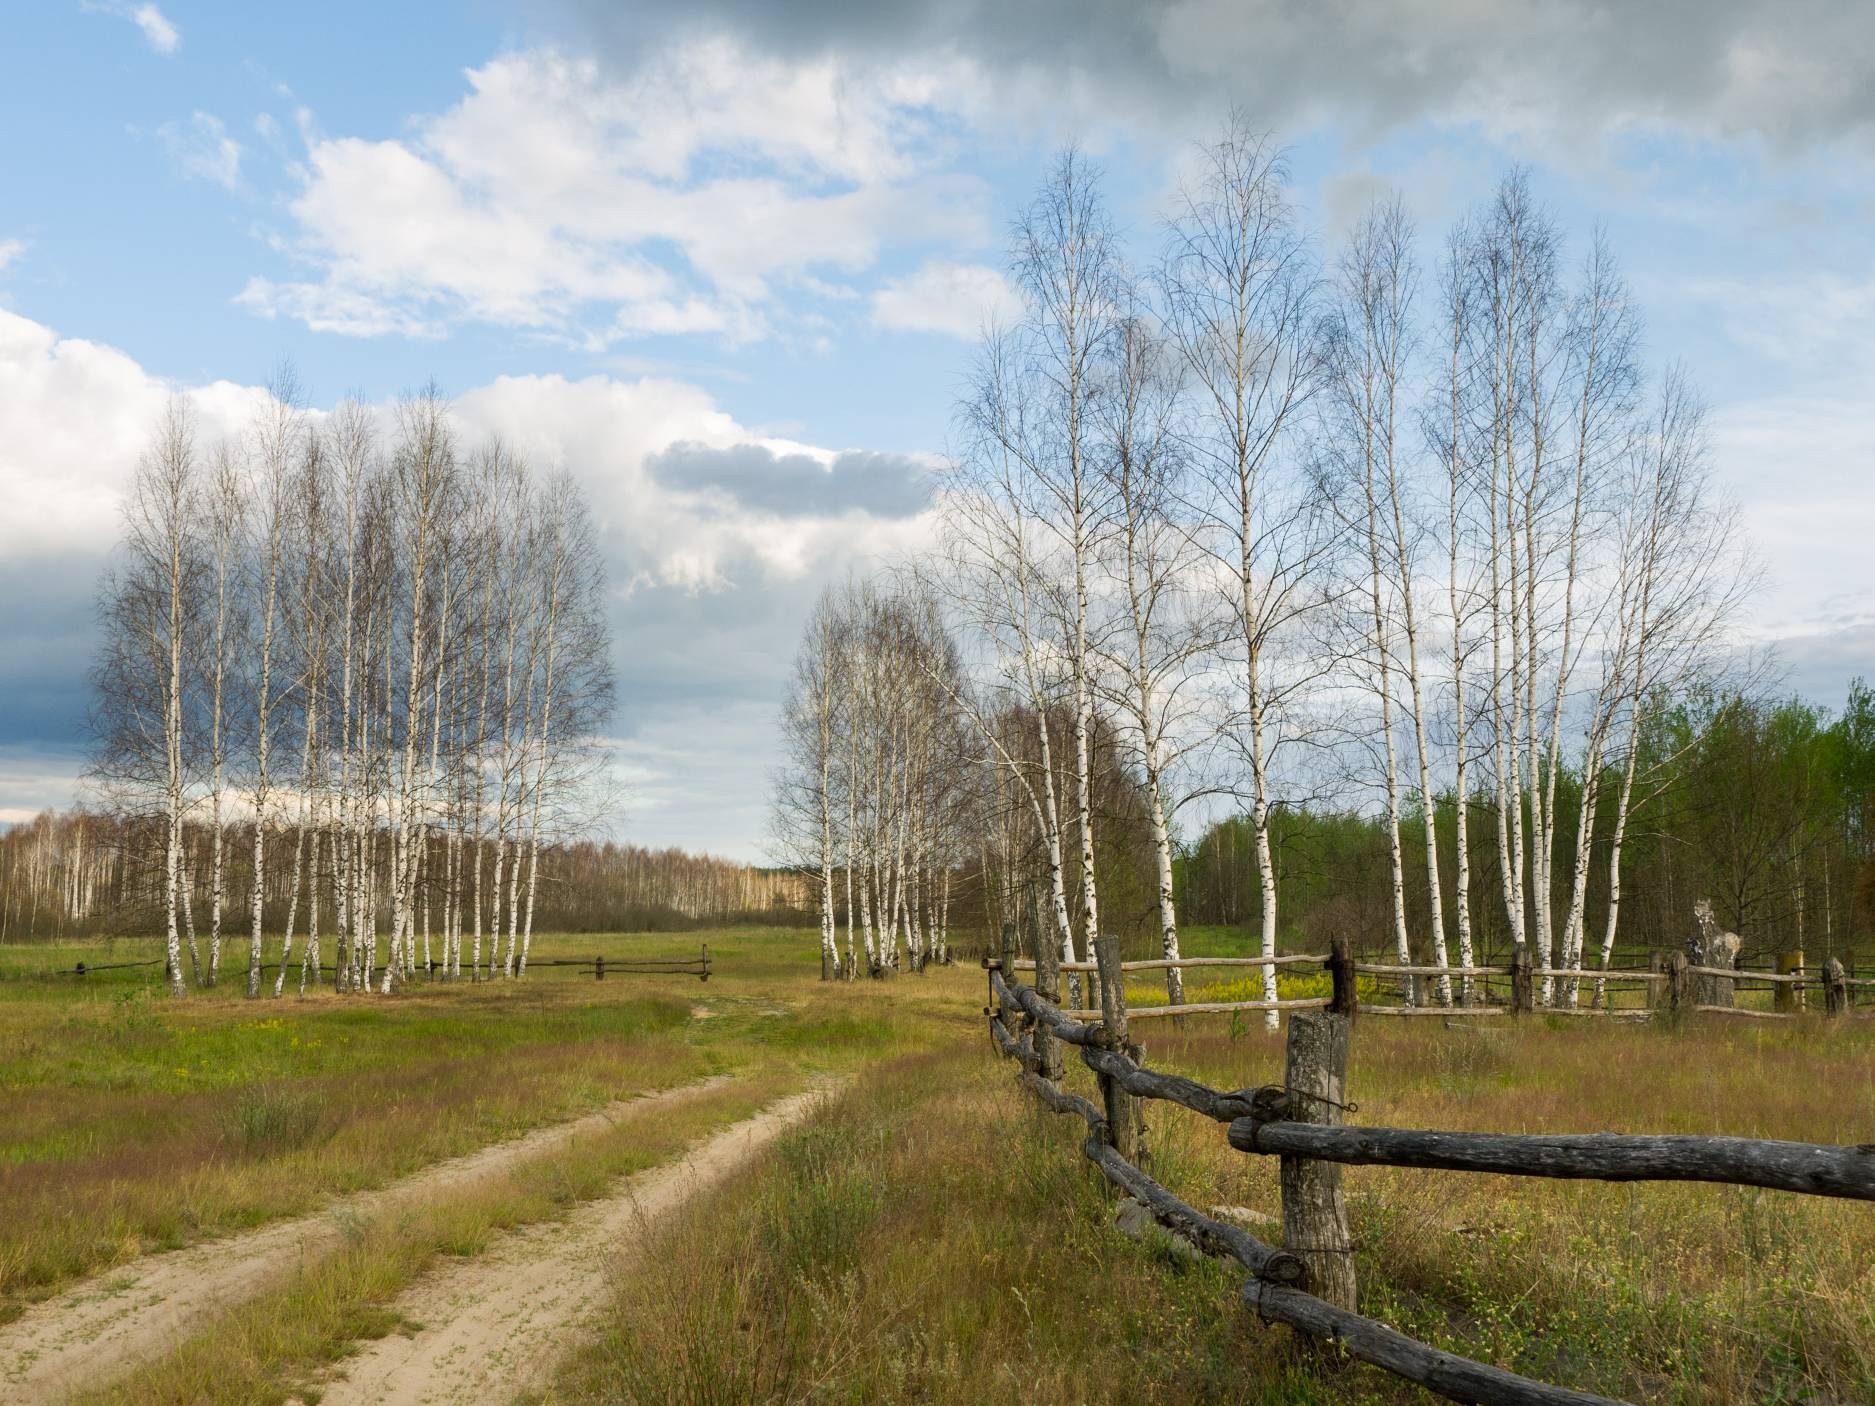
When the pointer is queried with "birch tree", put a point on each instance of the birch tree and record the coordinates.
(1240, 302)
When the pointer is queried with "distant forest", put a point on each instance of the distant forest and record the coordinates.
(81, 874)
(1767, 808)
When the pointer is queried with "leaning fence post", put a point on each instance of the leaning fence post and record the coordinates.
(1835, 988)
(1048, 987)
(1341, 972)
(1522, 988)
(1124, 1131)
(1315, 1213)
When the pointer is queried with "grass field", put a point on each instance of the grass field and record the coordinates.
(929, 1236)
(135, 1122)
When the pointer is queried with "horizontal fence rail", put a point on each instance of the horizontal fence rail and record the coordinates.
(699, 966)
(1672, 986)
(1308, 1283)
(1159, 964)
(1813, 1168)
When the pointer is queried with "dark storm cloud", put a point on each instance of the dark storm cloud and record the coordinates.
(51, 634)
(794, 485)
(1788, 71)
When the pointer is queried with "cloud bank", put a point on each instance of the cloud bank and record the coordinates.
(1787, 72)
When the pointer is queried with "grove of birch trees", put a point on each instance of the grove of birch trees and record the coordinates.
(370, 664)
(872, 803)
(1410, 527)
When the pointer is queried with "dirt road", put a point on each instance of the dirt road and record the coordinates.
(494, 1325)
(102, 1328)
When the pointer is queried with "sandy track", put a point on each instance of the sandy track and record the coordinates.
(103, 1327)
(495, 1325)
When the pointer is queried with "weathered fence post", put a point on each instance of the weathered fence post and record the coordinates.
(1344, 1001)
(598, 969)
(1679, 985)
(1656, 979)
(1315, 1214)
(706, 961)
(1048, 987)
(1522, 980)
(1006, 960)
(1835, 988)
(1124, 1130)
(1789, 994)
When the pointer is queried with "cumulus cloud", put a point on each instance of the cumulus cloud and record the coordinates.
(559, 196)
(161, 35)
(73, 416)
(756, 477)
(1791, 72)
(959, 300)
(202, 149)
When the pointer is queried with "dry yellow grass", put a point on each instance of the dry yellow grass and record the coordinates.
(935, 1238)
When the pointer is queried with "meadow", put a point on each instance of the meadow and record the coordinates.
(928, 1235)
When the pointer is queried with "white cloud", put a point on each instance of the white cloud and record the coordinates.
(957, 299)
(201, 148)
(10, 251)
(557, 197)
(158, 32)
(161, 35)
(73, 416)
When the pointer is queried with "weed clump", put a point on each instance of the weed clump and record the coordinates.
(270, 1119)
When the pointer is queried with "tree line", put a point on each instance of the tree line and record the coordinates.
(1761, 805)
(84, 873)
(369, 665)
(1269, 528)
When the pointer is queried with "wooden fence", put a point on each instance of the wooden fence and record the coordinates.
(1309, 1282)
(1670, 986)
(698, 966)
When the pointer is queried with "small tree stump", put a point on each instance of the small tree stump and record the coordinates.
(1315, 1213)
(1711, 946)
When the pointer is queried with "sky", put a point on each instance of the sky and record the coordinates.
(726, 261)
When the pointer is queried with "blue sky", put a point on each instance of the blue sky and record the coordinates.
(612, 230)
